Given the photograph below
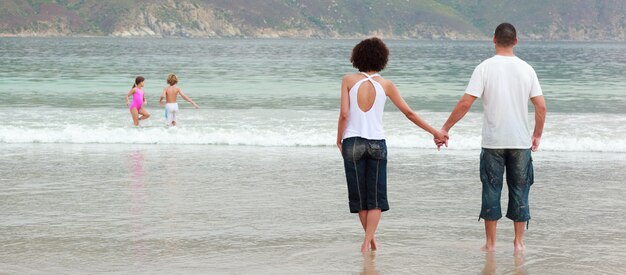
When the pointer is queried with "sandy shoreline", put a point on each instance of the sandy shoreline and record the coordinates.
(225, 209)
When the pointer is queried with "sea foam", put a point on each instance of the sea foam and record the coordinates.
(278, 137)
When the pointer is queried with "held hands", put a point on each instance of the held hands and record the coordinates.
(339, 145)
(441, 139)
(195, 105)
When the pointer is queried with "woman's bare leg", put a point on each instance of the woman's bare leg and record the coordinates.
(363, 218)
(373, 217)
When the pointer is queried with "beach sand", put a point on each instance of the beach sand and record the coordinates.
(240, 209)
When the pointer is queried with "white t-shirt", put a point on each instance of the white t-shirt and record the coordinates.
(505, 84)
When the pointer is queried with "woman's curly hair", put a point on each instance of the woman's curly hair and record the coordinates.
(370, 55)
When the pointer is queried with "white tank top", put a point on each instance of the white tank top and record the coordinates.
(368, 125)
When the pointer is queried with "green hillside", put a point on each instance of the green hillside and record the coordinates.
(550, 20)
(418, 19)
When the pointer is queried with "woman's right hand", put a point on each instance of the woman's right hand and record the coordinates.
(340, 145)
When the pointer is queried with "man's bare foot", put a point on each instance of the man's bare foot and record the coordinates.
(374, 245)
(488, 248)
(519, 246)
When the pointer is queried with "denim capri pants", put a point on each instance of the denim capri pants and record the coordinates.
(365, 163)
(518, 165)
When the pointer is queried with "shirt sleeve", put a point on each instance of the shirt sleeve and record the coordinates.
(476, 84)
(535, 89)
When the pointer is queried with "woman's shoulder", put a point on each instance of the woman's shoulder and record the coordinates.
(356, 77)
(387, 85)
(350, 76)
(383, 81)
(350, 79)
(353, 78)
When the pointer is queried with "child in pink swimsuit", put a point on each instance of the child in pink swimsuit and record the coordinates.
(139, 99)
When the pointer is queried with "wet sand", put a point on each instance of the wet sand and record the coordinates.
(283, 210)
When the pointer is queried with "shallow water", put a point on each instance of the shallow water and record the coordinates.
(241, 209)
(286, 92)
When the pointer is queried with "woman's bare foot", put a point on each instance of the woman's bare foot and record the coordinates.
(364, 247)
(374, 245)
(369, 245)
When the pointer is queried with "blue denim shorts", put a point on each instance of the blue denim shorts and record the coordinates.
(518, 165)
(365, 162)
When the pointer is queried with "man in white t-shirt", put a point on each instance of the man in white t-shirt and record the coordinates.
(505, 83)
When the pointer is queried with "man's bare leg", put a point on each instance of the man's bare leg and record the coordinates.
(518, 243)
(490, 234)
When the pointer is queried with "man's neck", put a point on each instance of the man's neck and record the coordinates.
(504, 51)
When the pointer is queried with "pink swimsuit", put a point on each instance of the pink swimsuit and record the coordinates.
(137, 99)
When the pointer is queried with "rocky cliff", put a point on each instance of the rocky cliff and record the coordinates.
(415, 19)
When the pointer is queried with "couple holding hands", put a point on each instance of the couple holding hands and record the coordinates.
(504, 82)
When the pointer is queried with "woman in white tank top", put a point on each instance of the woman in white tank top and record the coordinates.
(360, 135)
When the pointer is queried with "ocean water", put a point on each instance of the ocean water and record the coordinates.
(252, 182)
(285, 92)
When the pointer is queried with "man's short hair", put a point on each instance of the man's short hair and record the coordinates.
(370, 55)
(505, 34)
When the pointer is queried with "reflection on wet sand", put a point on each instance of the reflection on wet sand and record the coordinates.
(369, 263)
(173, 197)
(520, 268)
(137, 195)
(490, 264)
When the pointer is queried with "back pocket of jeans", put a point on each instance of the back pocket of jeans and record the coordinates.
(353, 149)
(377, 150)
